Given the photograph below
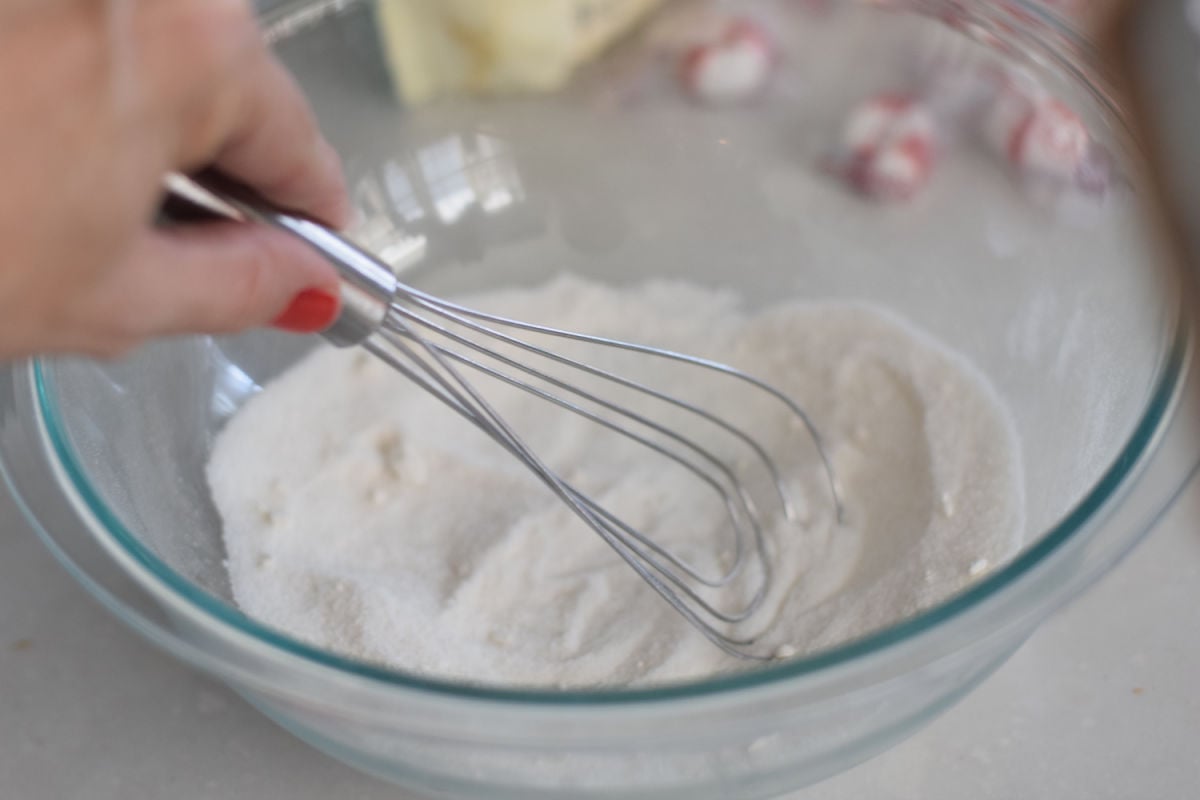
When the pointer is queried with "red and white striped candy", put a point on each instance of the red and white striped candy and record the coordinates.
(1036, 133)
(733, 67)
(889, 146)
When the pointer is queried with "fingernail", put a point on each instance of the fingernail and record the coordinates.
(310, 311)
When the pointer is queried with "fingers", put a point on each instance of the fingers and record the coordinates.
(275, 147)
(201, 278)
(235, 107)
(222, 278)
(231, 105)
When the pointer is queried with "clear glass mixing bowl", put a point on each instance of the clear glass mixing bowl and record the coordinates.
(1065, 303)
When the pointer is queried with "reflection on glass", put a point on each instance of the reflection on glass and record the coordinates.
(379, 232)
(401, 193)
(495, 176)
(231, 386)
(448, 200)
(443, 165)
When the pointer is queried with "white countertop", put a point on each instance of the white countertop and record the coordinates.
(1103, 702)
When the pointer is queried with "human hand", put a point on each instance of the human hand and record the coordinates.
(102, 99)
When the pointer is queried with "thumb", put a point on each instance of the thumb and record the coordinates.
(228, 277)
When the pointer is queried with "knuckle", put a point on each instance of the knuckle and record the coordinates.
(208, 132)
(217, 34)
(289, 179)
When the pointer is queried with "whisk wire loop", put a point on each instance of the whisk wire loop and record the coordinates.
(431, 341)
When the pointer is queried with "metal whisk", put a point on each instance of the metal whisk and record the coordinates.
(436, 343)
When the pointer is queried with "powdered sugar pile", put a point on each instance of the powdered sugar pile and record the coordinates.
(362, 516)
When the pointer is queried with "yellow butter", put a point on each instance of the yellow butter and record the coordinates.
(438, 47)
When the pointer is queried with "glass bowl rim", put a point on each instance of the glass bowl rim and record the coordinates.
(1152, 421)
(104, 522)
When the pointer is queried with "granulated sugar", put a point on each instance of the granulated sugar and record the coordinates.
(362, 516)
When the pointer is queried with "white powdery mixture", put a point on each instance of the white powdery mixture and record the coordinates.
(362, 516)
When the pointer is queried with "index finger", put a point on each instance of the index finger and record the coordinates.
(276, 147)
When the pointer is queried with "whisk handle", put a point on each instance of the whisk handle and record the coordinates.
(367, 284)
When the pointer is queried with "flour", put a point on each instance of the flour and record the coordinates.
(362, 516)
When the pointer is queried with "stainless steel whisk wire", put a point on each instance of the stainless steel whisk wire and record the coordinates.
(420, 336)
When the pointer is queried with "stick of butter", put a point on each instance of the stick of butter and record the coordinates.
(438, 47)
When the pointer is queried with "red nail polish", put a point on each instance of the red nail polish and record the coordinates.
(312, 310)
